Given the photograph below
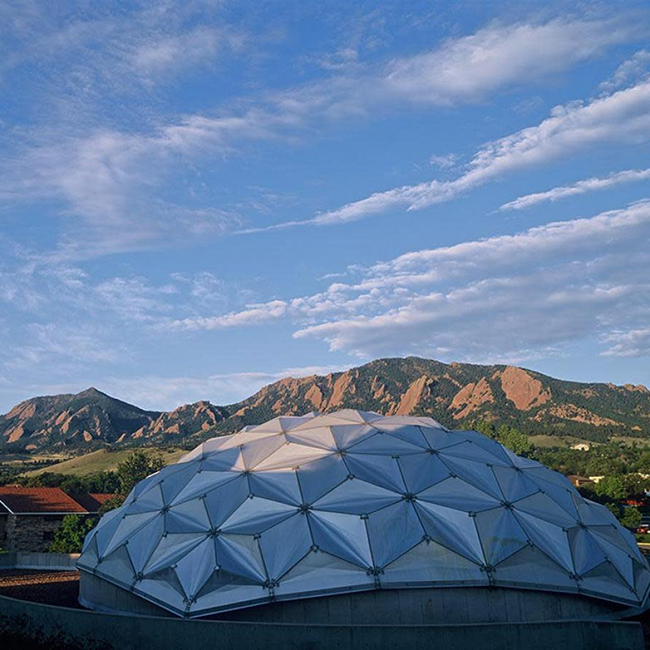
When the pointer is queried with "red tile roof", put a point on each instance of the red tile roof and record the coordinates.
(92, 501)
(22, 500)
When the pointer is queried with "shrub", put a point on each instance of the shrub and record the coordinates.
(69, 538)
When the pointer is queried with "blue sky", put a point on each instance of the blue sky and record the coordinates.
(199, 198)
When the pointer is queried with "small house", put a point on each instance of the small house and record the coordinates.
(30, 516)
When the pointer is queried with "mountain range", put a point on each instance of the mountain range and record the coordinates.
(456, 394)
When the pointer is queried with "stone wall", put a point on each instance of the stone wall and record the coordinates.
(3, 526)
(29, 532)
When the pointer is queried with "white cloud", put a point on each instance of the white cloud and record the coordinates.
(623, 116)
(633, 343)
(166, 54)
(581, 187)
(133, 299)
(106, 177)
(118, 50)
(635, 68)
(252, 315)
(448, 161)
(512, 296)
(166, 393)
(471, 67)
(75, 345)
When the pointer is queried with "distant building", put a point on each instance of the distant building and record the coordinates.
(92, 501)
(581, 446)
(579, 481)
(29, 517)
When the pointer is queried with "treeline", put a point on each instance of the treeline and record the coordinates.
(602, 460)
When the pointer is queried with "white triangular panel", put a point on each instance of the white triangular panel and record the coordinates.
(281, 485)
(141, 545)
(550, 538)
(319, 571)
(452, 528)
(195, 568)
(285, 545)
(500, 533)
(256, 515)
(393, 531)
(188, 516)
(321, 476)
(456, 493)
(240, 555)
(170, 549)
(514, 483)
(356, 497)
(292, 455)
(342, 535)
(421, 471)
(201, 483)
(409, 433)
(477, 474)
(380, 470)
(428, 564)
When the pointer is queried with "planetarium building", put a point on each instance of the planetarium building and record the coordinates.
(352, 517)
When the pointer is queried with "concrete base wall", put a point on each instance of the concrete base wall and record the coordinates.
(148, 633)
(450, 605)
(44, 561)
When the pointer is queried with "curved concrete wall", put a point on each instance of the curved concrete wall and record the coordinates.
(449, 605)
(149, 633)
(42, 561)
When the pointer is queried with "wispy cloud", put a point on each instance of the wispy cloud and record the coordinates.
(581, 187)
(106, 177)
(78, 345)
(632, 343)
(448, 161)
(471, 67)
(623, 116)
(165, 393)
(630, 71)
(513, 296)
(253, 315)
(117, 50)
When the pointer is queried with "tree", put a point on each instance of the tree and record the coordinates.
(635, 485)
(486, 428)
(514, 440)
(630, 517)
(114, 502)
(136, 467)
(69, 538)
(611, 487)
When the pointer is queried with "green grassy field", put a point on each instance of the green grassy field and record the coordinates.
(630, 441)
(544, 441)
(21, 459)
(102, 461)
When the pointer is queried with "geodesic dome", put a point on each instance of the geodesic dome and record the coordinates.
(352, 501)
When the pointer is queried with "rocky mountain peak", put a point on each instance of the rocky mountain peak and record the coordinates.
(457, 395)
